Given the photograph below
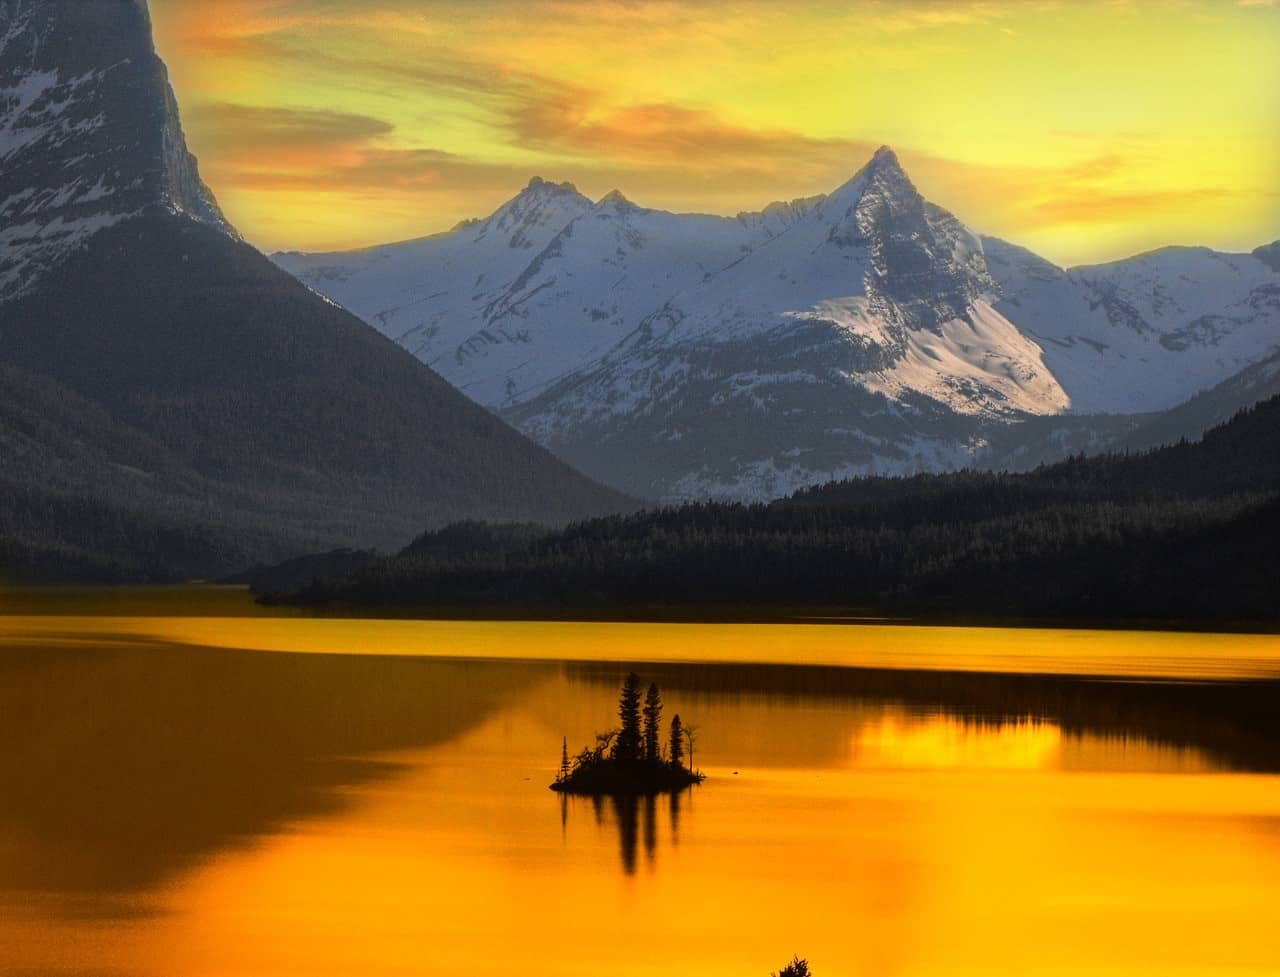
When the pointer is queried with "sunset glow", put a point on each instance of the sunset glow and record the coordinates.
(1085, 131)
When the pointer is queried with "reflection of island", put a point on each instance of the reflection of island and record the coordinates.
(632, 760)
(636, 816)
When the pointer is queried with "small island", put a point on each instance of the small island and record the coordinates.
(632, 759)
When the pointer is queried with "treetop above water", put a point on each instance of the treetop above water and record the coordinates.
(632, 759)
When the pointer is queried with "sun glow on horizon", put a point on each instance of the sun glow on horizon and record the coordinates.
(1086, 131)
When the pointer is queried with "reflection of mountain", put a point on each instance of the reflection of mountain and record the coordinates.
(122, 767)
(810, 715)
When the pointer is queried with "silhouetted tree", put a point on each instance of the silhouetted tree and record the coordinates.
(652, 722)
(604, 742)
(628, 744)
(677, 742)
(690, 734)
(796, 968)
(630, 759)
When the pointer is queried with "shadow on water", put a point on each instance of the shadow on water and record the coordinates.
(125, 766)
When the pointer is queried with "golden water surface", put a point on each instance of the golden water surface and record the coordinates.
(185, 797)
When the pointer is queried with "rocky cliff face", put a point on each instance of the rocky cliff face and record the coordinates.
(89, 132)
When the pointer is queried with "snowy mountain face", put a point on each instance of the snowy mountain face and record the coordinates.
(437, 296)
(89, 132)
(551, 282)
(1269, 255)
(860, 338)
(865, 330)
(1148, 332)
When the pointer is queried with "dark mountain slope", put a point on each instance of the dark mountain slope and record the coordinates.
(170, 403)
(199, 363)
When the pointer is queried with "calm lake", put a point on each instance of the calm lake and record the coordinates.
(190, 788)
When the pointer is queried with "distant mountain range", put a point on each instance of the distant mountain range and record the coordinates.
(864, 331)
(171, 403)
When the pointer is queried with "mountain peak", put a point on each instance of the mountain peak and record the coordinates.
(90, 132)
(884, 164)
(616, 200)
(885, 156)
(883, 172)
(538, 185)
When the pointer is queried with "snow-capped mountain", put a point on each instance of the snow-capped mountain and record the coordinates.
(171, 402)
(1147, 332)
(861, 338)
(432, 295)
(550, 282)
(89, 132)
(866, 330)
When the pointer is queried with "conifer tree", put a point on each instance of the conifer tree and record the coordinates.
(677, 742)
(628, 744)
(564, 759)
(796, 968)
(652, 722)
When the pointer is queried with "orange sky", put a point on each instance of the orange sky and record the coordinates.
(1084, 129)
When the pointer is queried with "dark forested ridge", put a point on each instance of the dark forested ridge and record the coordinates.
(171, 404)
(1183, 533)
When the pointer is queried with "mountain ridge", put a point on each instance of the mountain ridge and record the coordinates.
(926, 336)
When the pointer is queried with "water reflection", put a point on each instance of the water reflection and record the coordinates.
(804, 715)
(634, 817)
(125, 766)
(178, 812)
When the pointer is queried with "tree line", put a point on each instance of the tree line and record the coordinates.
(1183, 533)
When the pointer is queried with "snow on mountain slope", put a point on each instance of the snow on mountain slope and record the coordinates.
(430, 295)
(897, 280)
(1269, 255)
(596, 280)
(1144, 333)
(89, 132)
(541, 289)
(861, 338)
(862, 330)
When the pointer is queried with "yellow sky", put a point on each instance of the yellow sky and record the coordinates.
(1084, 129)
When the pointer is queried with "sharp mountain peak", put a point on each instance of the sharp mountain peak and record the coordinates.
(89, 132)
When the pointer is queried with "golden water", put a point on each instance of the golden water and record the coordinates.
(176, 804)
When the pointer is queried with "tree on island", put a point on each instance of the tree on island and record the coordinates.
(628, 744)
(630, 760)
(690, 734)
(796, 968)
(652, 723)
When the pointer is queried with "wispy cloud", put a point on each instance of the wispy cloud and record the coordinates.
(1040, 117)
